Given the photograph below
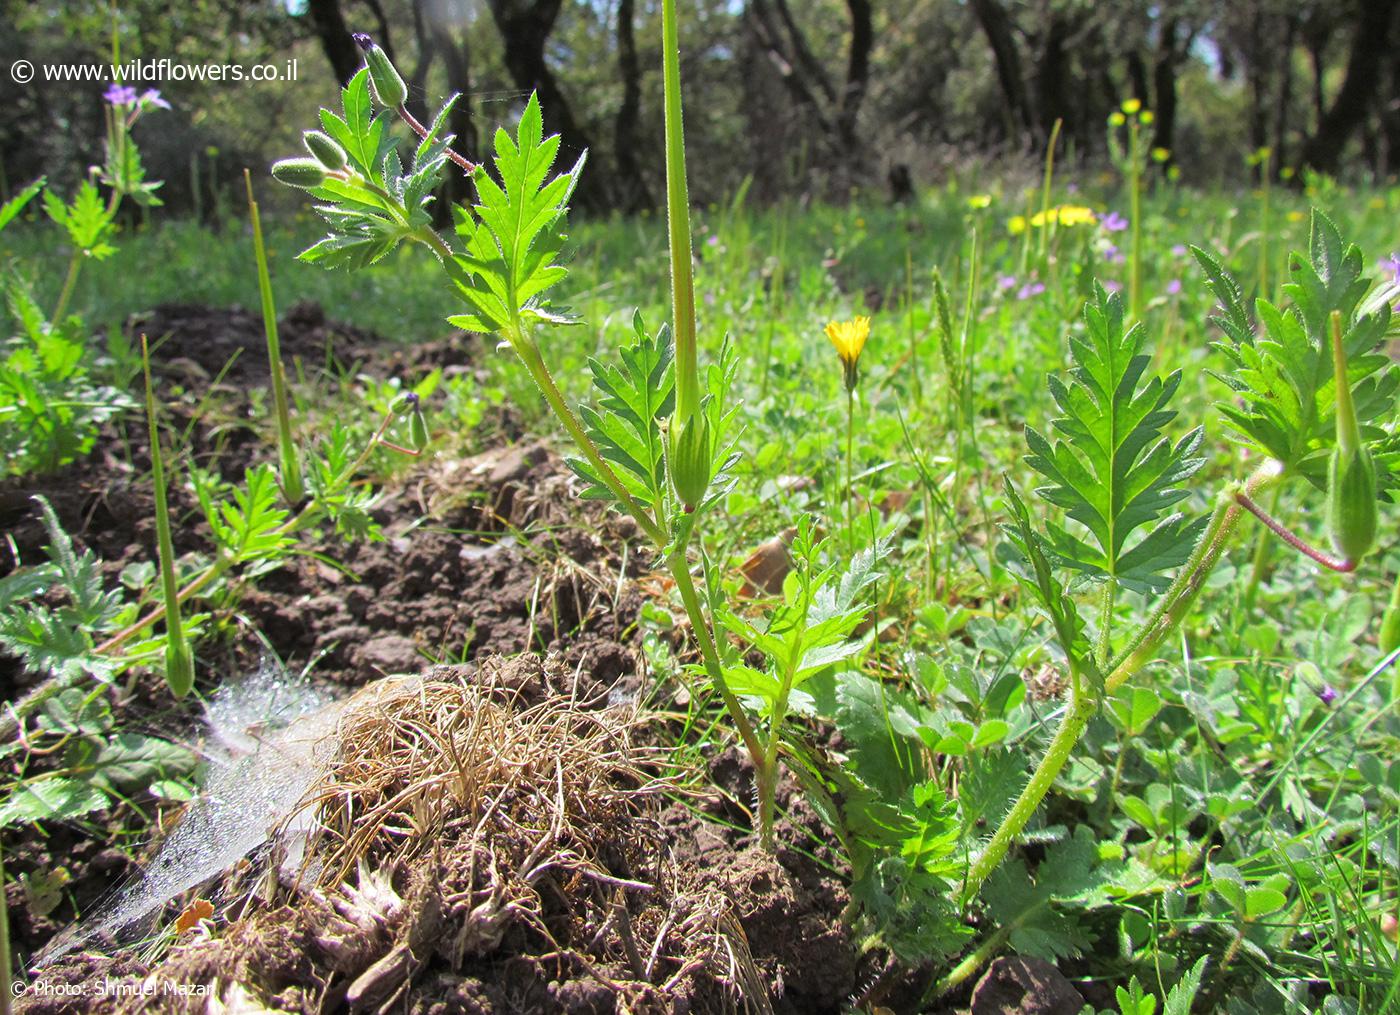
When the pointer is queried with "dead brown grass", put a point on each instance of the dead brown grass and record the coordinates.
(458, 827)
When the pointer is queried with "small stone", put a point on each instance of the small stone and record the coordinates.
(1020, 985)
(390, 653)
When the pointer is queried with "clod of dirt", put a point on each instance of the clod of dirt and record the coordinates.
(474, 852)
(1021, 985)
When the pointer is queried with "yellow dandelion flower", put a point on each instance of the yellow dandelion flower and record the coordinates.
(1131, 106)
(1016, 225)
(849, 339)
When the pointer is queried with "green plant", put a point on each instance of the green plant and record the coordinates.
(50, 404)
(1114, 473)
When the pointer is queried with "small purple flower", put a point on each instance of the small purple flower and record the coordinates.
(1114, 223)
(1030, 289)
(713, 241)
(1006, 282)
(1179, 250)
(1392, 264)
(120, 95)
(1113, 286)
(1327, 694)
(1174, 287)
(1113, 255)
(151, 97)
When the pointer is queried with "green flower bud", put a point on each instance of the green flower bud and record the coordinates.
(1352, 513)
(326, 150)
(690, 460)
(304, 173)
(389, 89)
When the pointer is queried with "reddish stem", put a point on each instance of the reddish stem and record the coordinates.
(467, 165)
(1293, 540)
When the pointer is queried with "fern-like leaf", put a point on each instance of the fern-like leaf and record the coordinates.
(514, 237)
(626, 425)
(1113, 470)
(1281, 374)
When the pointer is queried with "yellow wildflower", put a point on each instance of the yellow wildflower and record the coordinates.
(980, 201)
(1075, 215)
(1116, 119)
(1131, 106)
(1160, 154)
(1146, 118)
(849, 339)
(1065, 215)
(1016, 224)
(1296, 216)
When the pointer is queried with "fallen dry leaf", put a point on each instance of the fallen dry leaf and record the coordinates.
(199, 909)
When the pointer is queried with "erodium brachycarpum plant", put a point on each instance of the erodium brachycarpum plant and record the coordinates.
(1309, 386)
(658, 441)
(50, 402)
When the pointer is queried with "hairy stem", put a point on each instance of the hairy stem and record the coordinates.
(850, 470)
(69, 281)
(1340, 565)
(1142, 650)
(466, 164)
(529, 354)
(680, 571)
(974, 961)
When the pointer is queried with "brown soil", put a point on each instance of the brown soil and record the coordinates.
(507, 562)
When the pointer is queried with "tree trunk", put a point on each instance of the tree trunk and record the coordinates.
(632, 183)
(996, 25)
(857, 73)
(525, 28)
(1285, 93)
(1359, 89)
(336, 43)
(1052, 78)
(1164, 70)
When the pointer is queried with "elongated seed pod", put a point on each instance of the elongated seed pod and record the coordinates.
(417, 430)
(1352, 512)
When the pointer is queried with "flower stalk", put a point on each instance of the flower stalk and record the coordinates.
(678, 224)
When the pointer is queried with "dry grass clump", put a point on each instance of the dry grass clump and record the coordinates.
(458, 829)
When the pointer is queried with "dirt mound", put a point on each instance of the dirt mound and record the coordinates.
(477, 852)
(452, 909)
